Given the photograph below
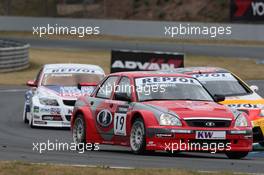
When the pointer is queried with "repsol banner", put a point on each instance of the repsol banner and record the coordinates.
(247, 10)
(126, 60)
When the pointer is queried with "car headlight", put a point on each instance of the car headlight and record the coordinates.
(48, 102)
(169, 120)
(241, 121)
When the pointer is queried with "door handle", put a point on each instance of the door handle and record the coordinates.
(91, 103)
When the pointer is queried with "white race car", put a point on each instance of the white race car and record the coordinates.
(52, 96)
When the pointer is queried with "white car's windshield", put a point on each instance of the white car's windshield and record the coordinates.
(170, 88)
(221, 84)
(69, 79)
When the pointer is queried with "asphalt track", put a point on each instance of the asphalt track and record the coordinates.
(255, 52)
(17, 138)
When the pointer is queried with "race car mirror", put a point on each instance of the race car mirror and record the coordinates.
(254, 88)
(122, 96)
(32, 83)
(219, 98)
(80, 85)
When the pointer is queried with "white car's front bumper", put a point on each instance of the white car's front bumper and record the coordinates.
(52, 116)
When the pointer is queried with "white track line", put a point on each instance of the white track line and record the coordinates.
(12, 90)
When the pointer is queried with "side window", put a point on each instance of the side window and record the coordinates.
(124, 86)
(107, 87)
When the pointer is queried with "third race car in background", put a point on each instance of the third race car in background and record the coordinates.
(53, 93)
(239, 95)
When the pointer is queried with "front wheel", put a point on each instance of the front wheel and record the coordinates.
(236, 155)
(25, 114)
(79, 131)
(138, 137)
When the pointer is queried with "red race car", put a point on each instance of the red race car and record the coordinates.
(151, 111)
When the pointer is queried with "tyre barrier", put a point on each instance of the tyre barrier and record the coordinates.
(14, 55)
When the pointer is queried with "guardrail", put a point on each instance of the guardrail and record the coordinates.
(14, 55)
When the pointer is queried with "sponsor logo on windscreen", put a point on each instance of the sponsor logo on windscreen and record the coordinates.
(215, 77)
(165, 80)
(69, 70)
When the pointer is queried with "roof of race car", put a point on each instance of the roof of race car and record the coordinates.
(198, 70)
(73, 68)
(149, 73)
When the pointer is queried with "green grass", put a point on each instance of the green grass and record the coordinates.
(22, 168)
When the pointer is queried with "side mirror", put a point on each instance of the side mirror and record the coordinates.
(80, 85)
(32, 83)
(219, 98)
(254, 88)
(122, 96)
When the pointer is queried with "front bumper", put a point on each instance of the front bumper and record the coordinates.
(51, 116)
(168, 139)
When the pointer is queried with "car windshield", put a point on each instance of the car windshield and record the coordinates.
(69, 79)
(170, 88)
(221, 84)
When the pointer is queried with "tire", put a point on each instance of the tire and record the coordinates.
(138, 137)
(25, 115)
(261, 143)
(79, 131)
(31, 123)
(236, 155)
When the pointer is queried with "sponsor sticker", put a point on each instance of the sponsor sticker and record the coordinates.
(70, 70)
(207, 135)
(36, 109)
(244, 106)
(215, 77)
(104, 118)
(166, 80)
(55, 111)
(45, 110)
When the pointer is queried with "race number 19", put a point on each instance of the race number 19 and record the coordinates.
(120, 124)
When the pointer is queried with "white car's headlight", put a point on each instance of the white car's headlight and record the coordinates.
(241, 121)
(48, 102)
(169, 120)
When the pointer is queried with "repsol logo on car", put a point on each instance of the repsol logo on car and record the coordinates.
(141, 60)
(156, 80)
(243, 106)
(247, 10)
(214, 76)
(72, 70)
